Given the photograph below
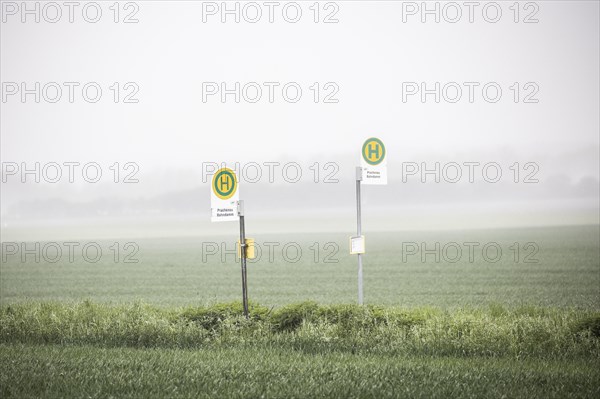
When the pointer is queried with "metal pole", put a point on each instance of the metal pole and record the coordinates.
(359, 233)
(243, 258)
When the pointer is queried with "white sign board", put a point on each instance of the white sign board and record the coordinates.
(357, 245)
(224, 196)
(373, 162)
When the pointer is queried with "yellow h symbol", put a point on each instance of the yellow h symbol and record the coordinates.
(373, 148)
(224, 182)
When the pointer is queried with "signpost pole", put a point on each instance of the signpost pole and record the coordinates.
(243, 257)
(373, 170)
(359, 233)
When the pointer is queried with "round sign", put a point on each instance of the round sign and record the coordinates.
(373, 151)
(224, 183)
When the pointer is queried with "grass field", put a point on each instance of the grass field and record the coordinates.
(159, 328)
(54, 371)
(172, 272)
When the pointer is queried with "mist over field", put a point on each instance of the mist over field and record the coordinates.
(321, 197)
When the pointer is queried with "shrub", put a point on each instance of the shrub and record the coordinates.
(588, 325)
(290, 317)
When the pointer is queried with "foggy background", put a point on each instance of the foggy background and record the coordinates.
(369, 53)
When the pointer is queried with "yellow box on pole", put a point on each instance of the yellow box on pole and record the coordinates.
(250, 252)
(250, 249)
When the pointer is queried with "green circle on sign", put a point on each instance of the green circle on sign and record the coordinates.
(378, 152)
(219, 183)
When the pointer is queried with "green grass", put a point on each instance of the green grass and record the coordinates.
(300, 350)
(167, 326)
(72, 371)
(496, 332)
(171, 273)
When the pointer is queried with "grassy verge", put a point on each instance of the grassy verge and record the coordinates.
(518, 333)
(302, 350)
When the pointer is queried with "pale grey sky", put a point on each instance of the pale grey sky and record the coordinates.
(368, 55)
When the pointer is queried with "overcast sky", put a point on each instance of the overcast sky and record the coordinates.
(364, 58)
